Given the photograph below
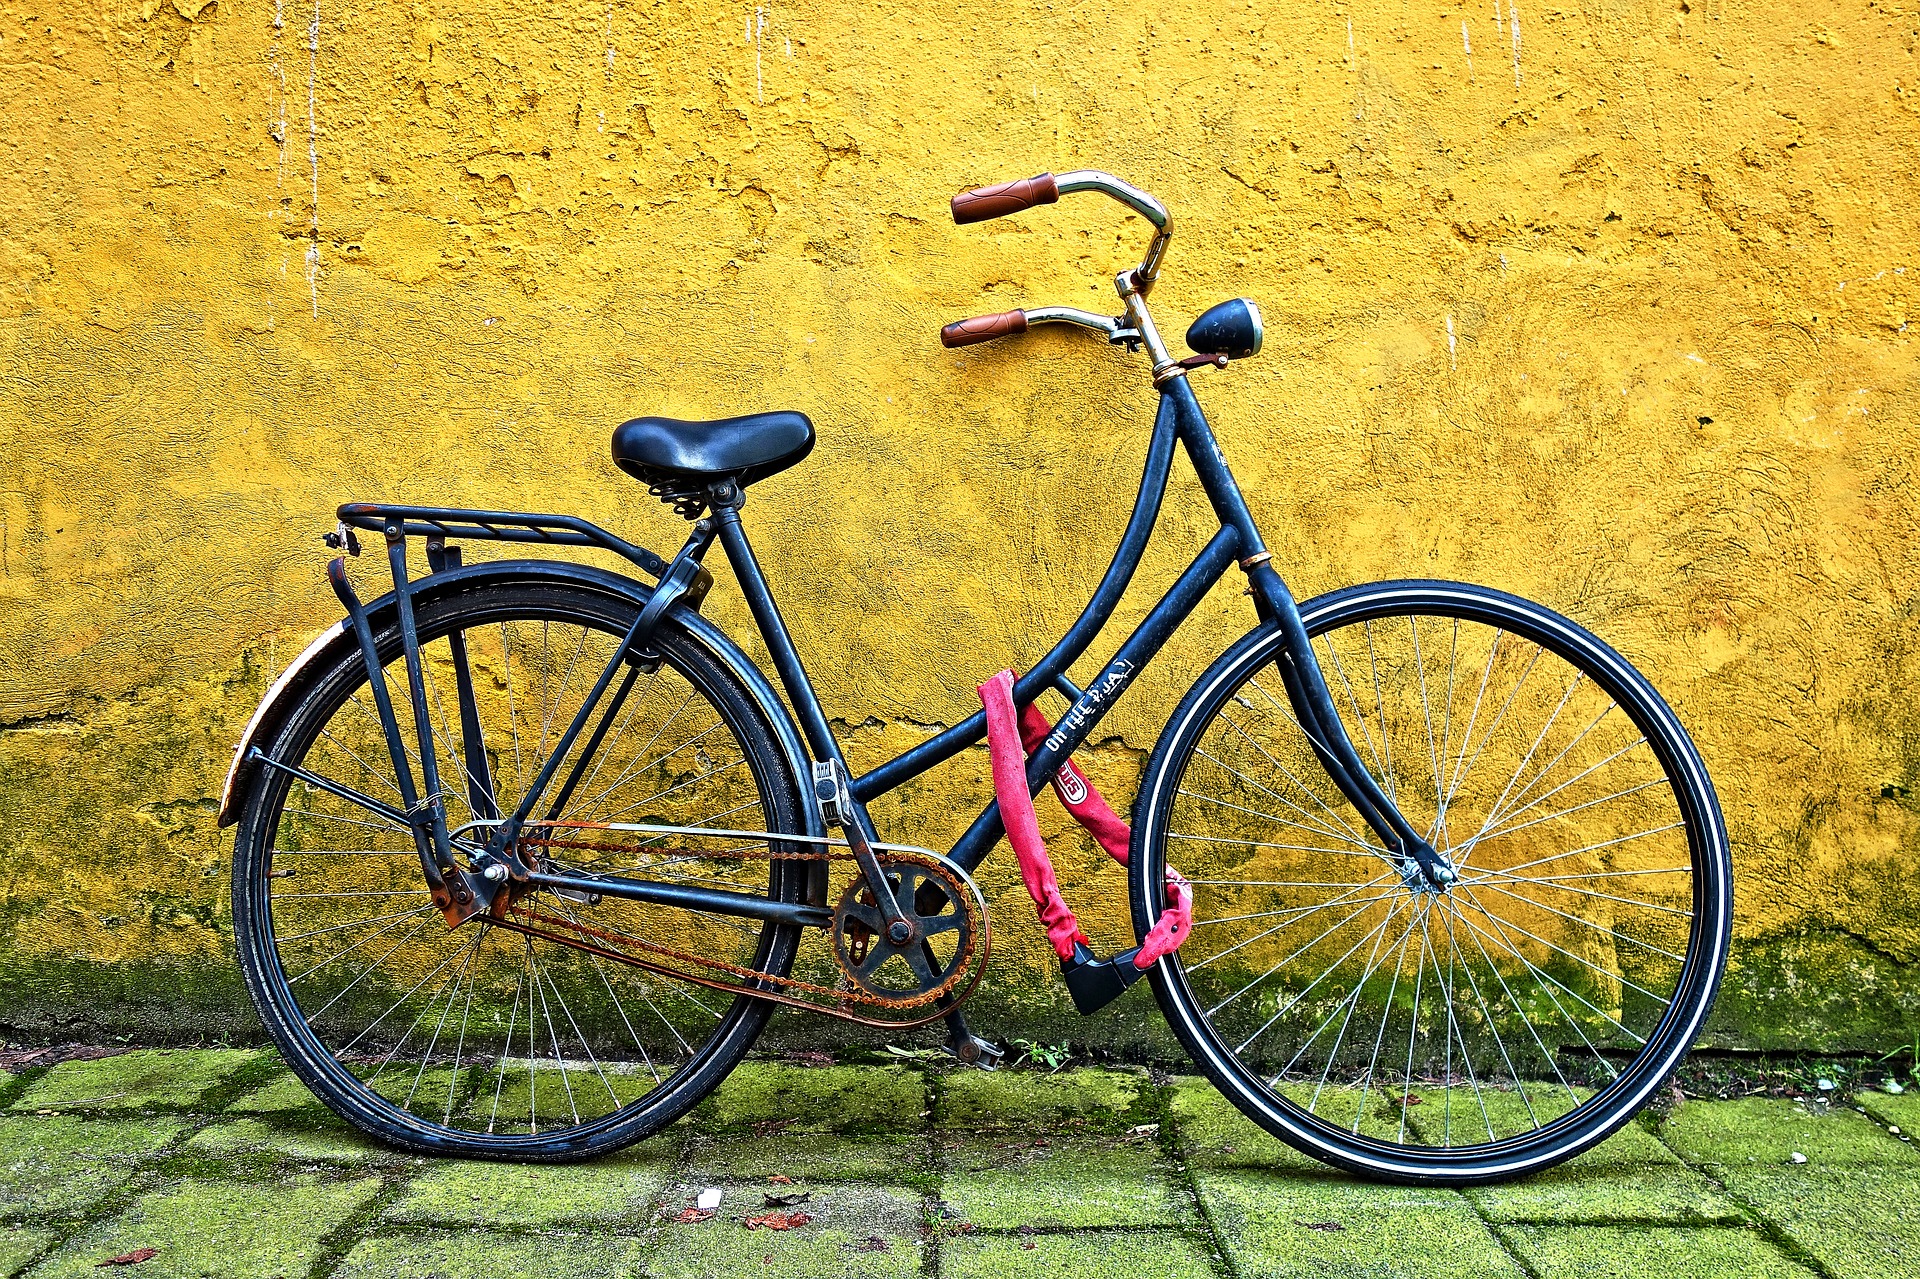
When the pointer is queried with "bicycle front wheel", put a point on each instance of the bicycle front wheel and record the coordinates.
(480, 1040)
(1473, 1034)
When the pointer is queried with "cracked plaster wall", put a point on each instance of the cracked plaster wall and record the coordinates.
(1611, 311)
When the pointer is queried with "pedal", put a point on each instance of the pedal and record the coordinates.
(1095, 982)
(971, 1050)
(829, 790)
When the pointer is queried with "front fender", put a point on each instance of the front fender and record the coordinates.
(338, 640)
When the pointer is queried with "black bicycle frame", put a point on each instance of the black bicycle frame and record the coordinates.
(1179, 421)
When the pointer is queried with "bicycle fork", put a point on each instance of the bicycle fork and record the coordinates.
(1420, 864)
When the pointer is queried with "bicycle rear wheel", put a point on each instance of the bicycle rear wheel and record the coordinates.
(1474, 1034)
(479, 1040)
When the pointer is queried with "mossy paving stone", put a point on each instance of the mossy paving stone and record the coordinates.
(1326, 1228)
(219, 1230)
(1766, 1133)
(397, 1083)
(150, 1079)
(1603, 1191)
(857, 1232)
(515, 1103)
(477, 1254)
(1626, 1252)
(1103, 1254)
(816, 1099)
(59, 1165)
(18, 1247)
(616, 1190)
(1860, 1222)
(1213, 1133)
(1628, 1177)
(284, 1094)
(1066, 1182)
(336, 1143)
(809, 1157)
(1106, 1100)
(1902, 1110)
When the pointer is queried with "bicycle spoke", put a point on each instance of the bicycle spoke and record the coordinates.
(1514, 989)
(1617, 935)
(1324, 830)
(1495, 878)
(1380, 708)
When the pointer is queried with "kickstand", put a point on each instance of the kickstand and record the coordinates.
(968, 1047)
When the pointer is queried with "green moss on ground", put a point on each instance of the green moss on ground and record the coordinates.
(1109, 1100)
(19, 1246)
(475, 1254)
(1064, 1183)
(1621, 1252)
(1630, 1177)
(59, 1165)
(1902, 1111)
(849, 1099)
(857, 1232)
(616, 1192)
(1326, 1228)
(1859, 1221)
(218, 1229)
(1763, 1132)
(284, 1094)
(547, 1096)
(148, 1079)
(336, 1144)
(1609, 1192)
(1213, 1133)
(810, 1157)
(1110, 1254)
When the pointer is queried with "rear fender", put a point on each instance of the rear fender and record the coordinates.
(338, 641)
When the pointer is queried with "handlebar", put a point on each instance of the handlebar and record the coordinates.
(982, 203)
(983, 328)
(998, 201)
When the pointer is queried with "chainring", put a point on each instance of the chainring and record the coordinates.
(949, 923)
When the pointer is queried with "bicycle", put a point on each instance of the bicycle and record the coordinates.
(1461, 891)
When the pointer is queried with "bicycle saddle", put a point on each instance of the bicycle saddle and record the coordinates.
(676, 459)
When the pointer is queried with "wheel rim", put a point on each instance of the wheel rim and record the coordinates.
(482, 1032)
(1577, 977)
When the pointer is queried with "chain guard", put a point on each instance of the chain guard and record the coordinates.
(907, 995)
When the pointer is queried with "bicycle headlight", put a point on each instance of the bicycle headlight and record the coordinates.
(1231, 329)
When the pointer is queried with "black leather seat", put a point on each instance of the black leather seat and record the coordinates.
(743, 449)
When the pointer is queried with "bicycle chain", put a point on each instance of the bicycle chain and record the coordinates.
(975, 936)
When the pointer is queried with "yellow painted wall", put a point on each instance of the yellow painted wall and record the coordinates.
(1615, 315)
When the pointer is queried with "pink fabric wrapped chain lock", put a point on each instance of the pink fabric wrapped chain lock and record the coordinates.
(1009, 739)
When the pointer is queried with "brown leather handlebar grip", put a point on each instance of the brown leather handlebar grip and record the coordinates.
(983, 328)
(1009, 197)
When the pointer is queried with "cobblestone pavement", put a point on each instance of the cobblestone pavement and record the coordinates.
(223, 1165)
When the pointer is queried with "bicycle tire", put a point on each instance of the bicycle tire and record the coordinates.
(1359, 1129)
(638, 1101)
